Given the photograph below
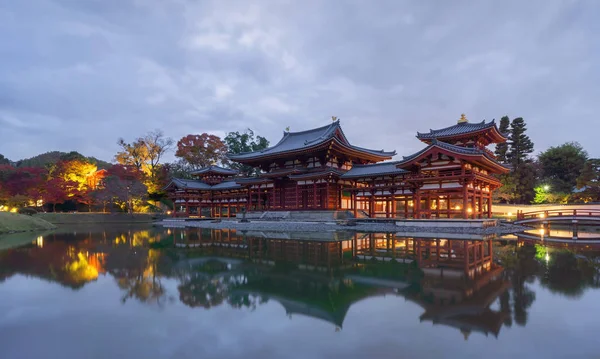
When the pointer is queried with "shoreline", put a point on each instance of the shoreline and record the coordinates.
(286, 226)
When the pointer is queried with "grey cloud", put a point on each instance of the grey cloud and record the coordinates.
(76, 75)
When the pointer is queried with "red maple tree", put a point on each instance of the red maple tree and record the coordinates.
(200, 151)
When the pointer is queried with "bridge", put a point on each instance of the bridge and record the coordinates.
(559, 215)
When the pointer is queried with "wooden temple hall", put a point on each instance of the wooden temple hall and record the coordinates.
(454, 176)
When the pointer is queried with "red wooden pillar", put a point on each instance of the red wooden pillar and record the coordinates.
(314, 203)
(417, 204)
(297, 197)
(387, 208)
(249, 202)
(394, 215)
(480, 209)
(489, 206)
(354, 196)
(465, 200)
(473, 207)
(326, 194)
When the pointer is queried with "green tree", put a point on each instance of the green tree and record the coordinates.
(520, 144)
(518, 185)
(245, 142)
(588, 182)
(4, 160)
(562, 165)
(502, 148)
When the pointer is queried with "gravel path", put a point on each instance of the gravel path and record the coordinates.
(285, 226)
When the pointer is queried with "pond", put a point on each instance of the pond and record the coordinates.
(151, 292)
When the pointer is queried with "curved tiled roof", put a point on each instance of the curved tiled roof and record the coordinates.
(379, 169)
(226, 185)
(189, 184)
(318, 173)
(469, 151)
(458, 129)
(215, 169)
(199, 185)
(298, 141)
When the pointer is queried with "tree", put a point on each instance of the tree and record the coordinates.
(56, 191)
(200, 151)
(520, 144)
(518, 185)
(78, 170)
(124, 186)
(588, 182)
(245, 142)
(4, 160)
(156, 146)
(132, 154)
(502, 148)
(145, 154)
(562, 165)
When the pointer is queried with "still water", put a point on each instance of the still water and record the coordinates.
(151, 292)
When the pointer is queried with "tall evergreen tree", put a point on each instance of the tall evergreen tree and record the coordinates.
(520, 144)
(502, 148)
(518, 185)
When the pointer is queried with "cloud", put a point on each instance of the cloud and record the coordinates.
(77, 75)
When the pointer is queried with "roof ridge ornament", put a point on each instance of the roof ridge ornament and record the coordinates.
(463, 119)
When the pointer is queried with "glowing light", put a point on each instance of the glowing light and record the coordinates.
(470, 210)
(40, 241)
(546, 188)
(169, 212)
(542, 215)
(509, 214)
(547, 257)
(542, 232)
(13, 210)
(457, 207)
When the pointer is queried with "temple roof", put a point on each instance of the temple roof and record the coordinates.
(226, 185)
(317, 174)
(466, 151)
(305, 140)
(199, 185)
(216, 170)
(379, 169)
(460, 129)
(188, 184)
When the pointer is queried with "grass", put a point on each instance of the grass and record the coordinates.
(13, 222)
(97, 218)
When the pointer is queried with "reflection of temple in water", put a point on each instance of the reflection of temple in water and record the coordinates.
(458, 283)
(320, 276)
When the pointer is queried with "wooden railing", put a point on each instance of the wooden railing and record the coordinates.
(553, 213)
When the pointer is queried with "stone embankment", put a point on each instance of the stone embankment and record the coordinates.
(288, 226)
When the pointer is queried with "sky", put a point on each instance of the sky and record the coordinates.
(79, 74)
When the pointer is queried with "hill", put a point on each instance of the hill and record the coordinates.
(49, 158)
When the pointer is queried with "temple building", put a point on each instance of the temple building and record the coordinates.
(319, 169)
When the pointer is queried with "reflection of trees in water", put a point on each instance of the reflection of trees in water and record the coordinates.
(135, 270)
(562, 271)
(212, 283)
(567, 273)
(520, 268)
